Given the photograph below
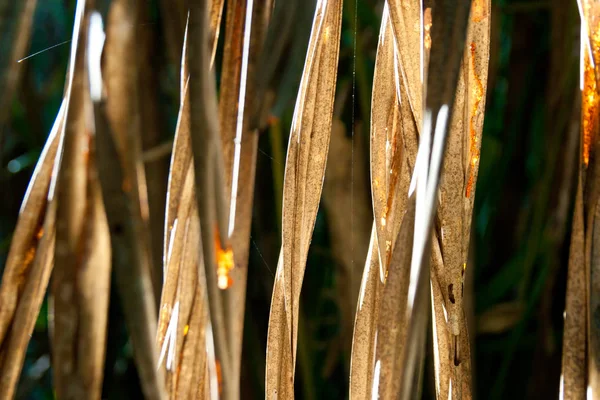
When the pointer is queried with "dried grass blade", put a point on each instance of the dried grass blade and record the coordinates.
(123, 188)
(386, 142)
(216, 12)
(362, 361)
(406, 19)
(442, 337)
(29, 262)
(31, 271)
(457, 191)
(210, 182)
(181, 159)
(81, 276)
(448, 31)
(244, 36)
(29, 226)
(573, 385)
(16, 18)
(391, 330)
(590, 170)
(305, 167)
(12, 352)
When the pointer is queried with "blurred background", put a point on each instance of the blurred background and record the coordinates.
(522, 216)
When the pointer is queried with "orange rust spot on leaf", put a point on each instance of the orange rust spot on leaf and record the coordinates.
(225, 263)
(473, 145)
(589, 108)
(479, 10)
(427, 28)
(219, 376)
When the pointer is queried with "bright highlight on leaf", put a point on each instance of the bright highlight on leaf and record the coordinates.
(224, 262)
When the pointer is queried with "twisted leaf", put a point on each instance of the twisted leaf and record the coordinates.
(305, 164)
(81, 277)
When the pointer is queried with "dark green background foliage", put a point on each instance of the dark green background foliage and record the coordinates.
(521, 222)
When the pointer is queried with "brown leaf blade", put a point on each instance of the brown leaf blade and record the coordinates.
(455, 211)
(210, 185)
(123, 186)
(29, 263)
(362, 361)
(392, 330)
(244, 37)
(81, 277)
(29, 227)
(305, 164)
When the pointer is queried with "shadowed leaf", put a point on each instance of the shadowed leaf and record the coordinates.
(16, 18)
(81, 277)
(123, 187)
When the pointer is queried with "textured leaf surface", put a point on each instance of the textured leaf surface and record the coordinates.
(305, 164)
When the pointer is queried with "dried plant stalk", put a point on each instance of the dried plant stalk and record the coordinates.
(305, 165)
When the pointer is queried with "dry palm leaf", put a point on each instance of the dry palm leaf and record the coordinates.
(393, 152)
(305, 167)
(16, 18)
(28, 230)
(183, 312)
(448, 31)
(406, 18)
(81, 277)
(210, 186)
(244, 36)
(391, 331)
(385, 130)
(31, 255)
(362, 361)
(123, 187)
(457, 198)
(29, 263)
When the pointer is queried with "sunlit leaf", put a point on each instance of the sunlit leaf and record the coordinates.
(305, 164)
